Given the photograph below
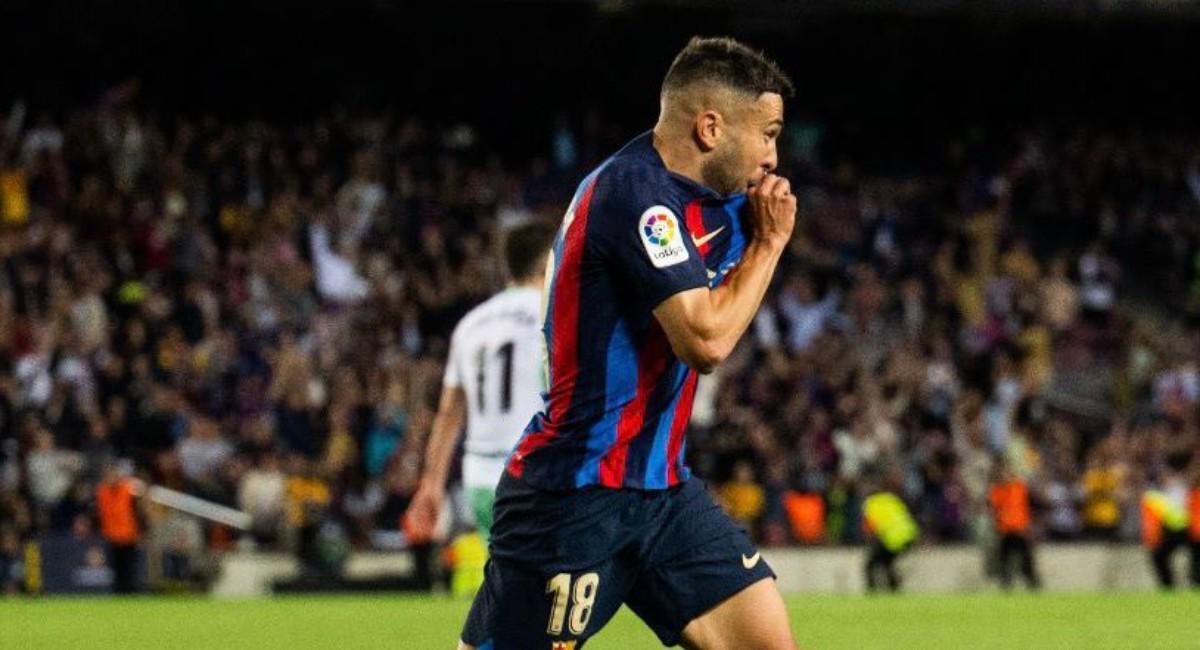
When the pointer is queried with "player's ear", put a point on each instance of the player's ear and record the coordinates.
(709, 128)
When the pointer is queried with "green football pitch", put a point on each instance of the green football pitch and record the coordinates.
(1123, 621)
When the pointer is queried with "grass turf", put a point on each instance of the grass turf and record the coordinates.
(1024, 621)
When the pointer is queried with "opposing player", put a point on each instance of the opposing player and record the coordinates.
(596, 507)
(493, 384)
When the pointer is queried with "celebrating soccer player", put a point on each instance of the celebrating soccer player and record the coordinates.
(658, 268)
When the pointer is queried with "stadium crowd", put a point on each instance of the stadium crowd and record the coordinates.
(256, 313)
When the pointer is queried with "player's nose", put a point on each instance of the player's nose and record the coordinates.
(770, 162)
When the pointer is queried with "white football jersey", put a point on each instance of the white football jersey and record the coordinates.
(496, 358)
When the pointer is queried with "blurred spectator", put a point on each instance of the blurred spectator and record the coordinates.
(742, 496)
(1059, 298)
(803, 313)
(202, 453)
(308, 501)
(1104, 491)
(12, 562)
(51, 470)
(262, 495)
(1063, 496)
(1098, 276)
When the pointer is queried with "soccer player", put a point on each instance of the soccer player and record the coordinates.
(596, 506)
(493, 384)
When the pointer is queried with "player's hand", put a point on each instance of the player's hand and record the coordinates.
(773, 207)
(421, 518)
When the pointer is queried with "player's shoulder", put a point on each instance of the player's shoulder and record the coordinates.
(521, 305)
(632, 187)
(526, 298)
(520, 302)
(634, 177)
(480, 312)
(473, 317)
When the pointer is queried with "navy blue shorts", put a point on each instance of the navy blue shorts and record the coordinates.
(562, 563)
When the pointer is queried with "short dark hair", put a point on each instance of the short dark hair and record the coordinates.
(726, 62)
(526, 246)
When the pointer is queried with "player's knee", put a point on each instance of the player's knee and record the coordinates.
(706, 636)
(780, 640)
(463, 645)
(725, 642)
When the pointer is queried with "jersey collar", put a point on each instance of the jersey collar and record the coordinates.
(643, 147)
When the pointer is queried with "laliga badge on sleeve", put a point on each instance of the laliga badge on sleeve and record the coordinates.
(662, 237)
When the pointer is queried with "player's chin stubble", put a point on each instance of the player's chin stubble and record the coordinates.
(722, 172)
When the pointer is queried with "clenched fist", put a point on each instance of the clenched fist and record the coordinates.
(773, 207)
(420, 521)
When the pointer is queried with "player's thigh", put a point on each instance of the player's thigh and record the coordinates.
(518, 608)
(698, 561)
(693, 597)
(754, 617)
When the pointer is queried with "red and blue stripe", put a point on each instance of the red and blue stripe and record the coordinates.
(562, 325)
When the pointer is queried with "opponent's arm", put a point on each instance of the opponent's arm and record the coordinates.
(447, 428)
(703, 325)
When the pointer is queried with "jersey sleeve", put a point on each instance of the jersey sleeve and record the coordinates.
(453, 377)
(649, 246)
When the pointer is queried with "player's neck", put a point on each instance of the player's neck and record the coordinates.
(527, 283)
(677, 158)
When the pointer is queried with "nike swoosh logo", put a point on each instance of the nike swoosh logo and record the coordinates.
(705, 239)
(752, 561)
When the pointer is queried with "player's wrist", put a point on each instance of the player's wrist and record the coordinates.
(432, 485)
(773, 242)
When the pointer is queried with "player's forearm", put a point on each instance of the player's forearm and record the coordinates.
(703, 326)
(736, 302)
(442, 441)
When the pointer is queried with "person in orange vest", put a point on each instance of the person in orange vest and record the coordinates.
(116, 506)
(1008, 497)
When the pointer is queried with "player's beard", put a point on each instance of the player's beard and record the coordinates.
(722, 172)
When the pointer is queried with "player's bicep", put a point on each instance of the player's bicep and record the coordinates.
(685, 319)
